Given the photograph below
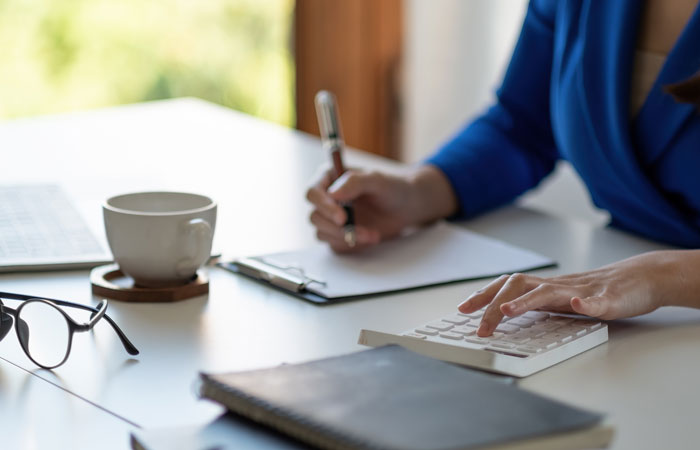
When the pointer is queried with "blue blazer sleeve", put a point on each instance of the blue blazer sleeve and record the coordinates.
(510, 148)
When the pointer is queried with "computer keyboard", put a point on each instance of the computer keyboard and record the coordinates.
(41, 229)
(520, 346)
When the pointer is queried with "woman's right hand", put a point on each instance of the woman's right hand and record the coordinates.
(383, 204)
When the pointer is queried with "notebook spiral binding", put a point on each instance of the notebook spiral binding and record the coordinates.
(291, 278)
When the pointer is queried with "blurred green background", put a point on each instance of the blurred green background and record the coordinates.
(62, 55)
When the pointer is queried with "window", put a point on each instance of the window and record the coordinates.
(77, 54)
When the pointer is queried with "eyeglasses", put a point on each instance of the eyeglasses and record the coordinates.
(53, 329)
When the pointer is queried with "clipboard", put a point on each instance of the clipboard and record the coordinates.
(437, 255)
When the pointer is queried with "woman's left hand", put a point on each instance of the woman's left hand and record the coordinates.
(631, 287)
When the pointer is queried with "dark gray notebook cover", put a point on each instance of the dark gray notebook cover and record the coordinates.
(391, 398)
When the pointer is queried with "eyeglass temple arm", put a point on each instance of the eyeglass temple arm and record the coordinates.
(128, 346)
(97, 315)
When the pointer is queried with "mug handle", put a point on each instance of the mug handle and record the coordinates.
(198, 231)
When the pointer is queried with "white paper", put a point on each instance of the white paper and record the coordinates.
(438, 254)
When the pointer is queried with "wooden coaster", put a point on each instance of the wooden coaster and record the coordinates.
(108, 281)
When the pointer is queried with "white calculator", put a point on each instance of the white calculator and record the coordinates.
(519, 346)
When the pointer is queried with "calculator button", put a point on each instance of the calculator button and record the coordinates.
(495, 336)
(529, 349)
(506, 328)
(451, 335)
(477, 340)
(502, 345)
(517, 338)
(589, 324)
(440, 325)
(416, 335)
(427, 331)
(464, 330)
(574, 330)
(537, 316)
(521, 322)
(549, 326)
(544, 344)
(561, 320)
(533, 333)
(456, 319)
(561, 337)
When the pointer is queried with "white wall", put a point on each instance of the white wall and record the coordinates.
(455, 55)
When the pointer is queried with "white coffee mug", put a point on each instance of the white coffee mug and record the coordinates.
(160, 238)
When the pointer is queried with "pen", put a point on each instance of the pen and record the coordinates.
(329, 125)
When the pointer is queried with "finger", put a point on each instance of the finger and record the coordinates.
(364, 237)
(325, 226)
(337, 245)
(483, 296)
(353, 184)
(326, 206)
(543, 296)
(516, 286)
(324, 177)
(594, 306)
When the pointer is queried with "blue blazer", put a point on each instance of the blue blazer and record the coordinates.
(566, 95)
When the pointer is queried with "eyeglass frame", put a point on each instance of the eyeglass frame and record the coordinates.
(97, 313)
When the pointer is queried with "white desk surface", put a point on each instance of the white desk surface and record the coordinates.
(644, 378)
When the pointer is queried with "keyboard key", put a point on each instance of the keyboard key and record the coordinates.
(416, 335)
(440, 325)
(427, 331)
(474, 315)
(537, 316)
(451, 335)
(456, 319)
(506, 328)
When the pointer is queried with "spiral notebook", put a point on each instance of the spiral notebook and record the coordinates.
(392, 398)
(439, 254)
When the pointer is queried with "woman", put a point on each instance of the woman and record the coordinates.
(592, 82)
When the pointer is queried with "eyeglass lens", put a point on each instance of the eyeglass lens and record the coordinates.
(43, 333)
